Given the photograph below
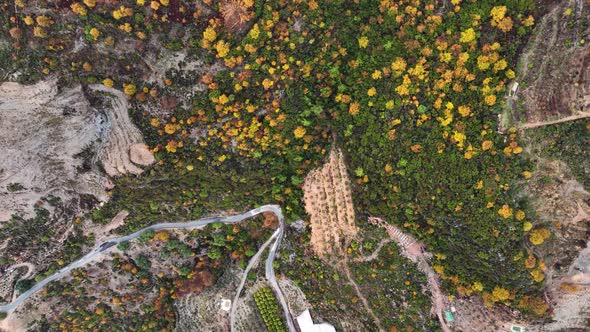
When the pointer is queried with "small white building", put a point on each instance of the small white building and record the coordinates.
(513, 89)
(225, 304)
(306, 324)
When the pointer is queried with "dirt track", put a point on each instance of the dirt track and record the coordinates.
(579, 116)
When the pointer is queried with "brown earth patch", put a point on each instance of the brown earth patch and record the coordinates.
(270, 220)
(236, 14)
(328, 201)
(195, 284)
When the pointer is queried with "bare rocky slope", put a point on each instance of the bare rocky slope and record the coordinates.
(50, 142)
(554, 73)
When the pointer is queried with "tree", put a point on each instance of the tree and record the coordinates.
(124, 246)
(214, 253)
(24, 285)
(146, 236)
(143, 262)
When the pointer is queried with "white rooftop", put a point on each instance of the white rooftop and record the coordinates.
(225, 304)
(306, 324)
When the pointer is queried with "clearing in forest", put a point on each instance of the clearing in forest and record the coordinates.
(328, 200)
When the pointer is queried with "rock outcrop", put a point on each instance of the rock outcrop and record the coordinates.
(50, 142)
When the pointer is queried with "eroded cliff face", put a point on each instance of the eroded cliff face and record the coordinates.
(51, 142)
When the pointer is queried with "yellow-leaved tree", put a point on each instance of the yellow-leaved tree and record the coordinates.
(500, 294)
(539, 235)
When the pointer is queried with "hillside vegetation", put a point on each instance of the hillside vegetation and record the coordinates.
(409, 90)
